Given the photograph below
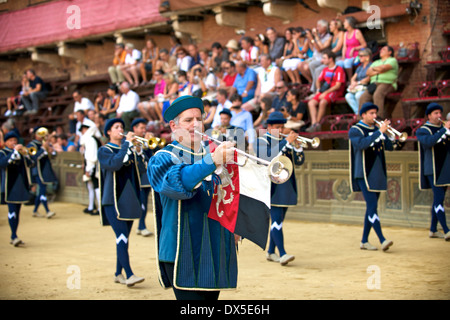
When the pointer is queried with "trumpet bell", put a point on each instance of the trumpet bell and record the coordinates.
(156, 142)
(315, 142)
(42, 132)
(280, 169)
(32, 151)
(403, 136)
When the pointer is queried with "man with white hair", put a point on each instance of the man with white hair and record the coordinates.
(129, 101)
(320, 40)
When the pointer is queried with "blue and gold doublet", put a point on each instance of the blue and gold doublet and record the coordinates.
(434, 155)
(267, 148)
(43, 167)
(367, 158)
(119, 181)
(203, 252)
(15, 177)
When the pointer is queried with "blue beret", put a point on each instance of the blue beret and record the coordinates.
(181, 104)
(10, 135)
(433, 106)
(137, 121)
(227, 112)
(110, 123)
(366, 107)
(276, 117)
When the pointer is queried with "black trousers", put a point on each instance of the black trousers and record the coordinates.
(188, 294)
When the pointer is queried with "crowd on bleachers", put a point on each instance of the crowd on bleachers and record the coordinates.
(301, 73)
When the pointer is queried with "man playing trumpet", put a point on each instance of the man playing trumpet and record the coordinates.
(434, 159)
(283, 195)
(15, 184)
(368, 168)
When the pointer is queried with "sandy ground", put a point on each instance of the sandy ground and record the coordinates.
(72, 257)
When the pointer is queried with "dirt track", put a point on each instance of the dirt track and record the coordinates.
(328, 264)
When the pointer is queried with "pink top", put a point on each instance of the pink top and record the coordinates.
(351, 43)
(159, 87)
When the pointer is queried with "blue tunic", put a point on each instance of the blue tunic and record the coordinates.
(202, 250)
(42, 170)
(267, 148)
(367, 158)
(15, 177)
(434, 155)
(119, 181)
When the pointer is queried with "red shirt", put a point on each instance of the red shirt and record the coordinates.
(229, 80)
(339, 76)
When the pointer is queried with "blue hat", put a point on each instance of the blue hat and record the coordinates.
(137, 121)
(276, 117)
(10, 135)
(181, 104)
(366, 107)
(433, 106)
(110, 123)
(226, 111)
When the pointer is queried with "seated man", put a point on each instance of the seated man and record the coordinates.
(245, 82)
(330, 86)
(383, 75)
(128, 109)
(36, 91)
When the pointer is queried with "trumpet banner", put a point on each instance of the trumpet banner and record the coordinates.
(241, 201)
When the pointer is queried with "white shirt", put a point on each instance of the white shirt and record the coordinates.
(133, 57)
(128, 102)
(86, 121)
(251, 55)
(84, 105)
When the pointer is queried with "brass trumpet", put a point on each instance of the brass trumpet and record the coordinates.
(152, 143)
(280, 168)
(28, 151)
(402, 136)
(315, 142)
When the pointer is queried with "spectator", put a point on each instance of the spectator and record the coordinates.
(337, 41)
(249, 53)
(100, 120)
(210, 111)
(245, 82)
(359, 80)
(320, 40)
(183, 82)
(80, 103)
(127, 109)
(218, 54)
(280, 99)
(266, 105)
(15, 102)
(233, 52)
(83, 120)
(64, 143)
(165, 62)
(111, 102)
(288, 48)
(130, 67)
(383, 75)
(119, 59)
(262, 43)
(150, 55)
(37, 91)
(268, 76)
(195, 55)
(175, 43)
(183, 59)
(276, 44)
(331, 84)
(151, 109)
(299, 54)
(353, 42)
(205, 59)
(223, 103)
(295, 113)
(196, 85)
(242, 119)
(230, 75)
(99, 101)
(212, 82)
(171, 86)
